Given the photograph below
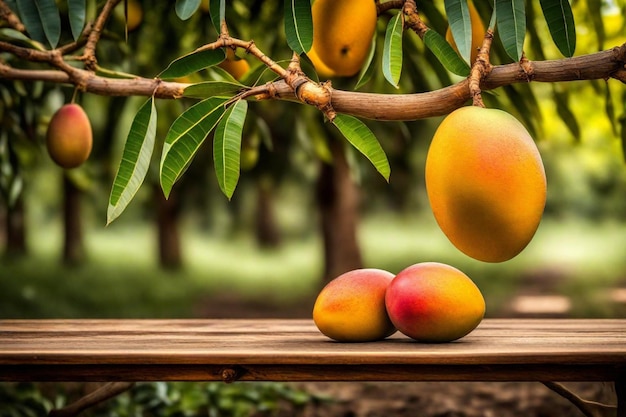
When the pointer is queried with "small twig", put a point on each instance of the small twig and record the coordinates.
(388, 5)
(480, 69)
(412, 19)
(103, 393)
(588, 408)
(11, 18)
(89, 53)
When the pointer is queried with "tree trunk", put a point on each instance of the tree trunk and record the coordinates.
(338, 201)
(267, 230)
(167, 229)
(3, 224)
(73, 244)
(16, 229)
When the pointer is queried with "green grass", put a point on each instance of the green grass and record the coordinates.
(122, 279)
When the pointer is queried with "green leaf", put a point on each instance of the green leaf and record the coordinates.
(135, 160)
(217, 11)
(298, 25)
(609, 108)
(185, 136)
(362, 138)
(41, 19)
(367, 70)
(227, 147)
(460, 26)
(445, 54)
(213, 88)
(594, 13)
(392, 50)
(560, 20)
(511, 24)
(186, 8)
(77, 11)
(193, 62)
(561, 98)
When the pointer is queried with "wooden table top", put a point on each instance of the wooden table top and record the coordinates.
(293, 349)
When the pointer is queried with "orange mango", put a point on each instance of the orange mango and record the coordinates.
(486, 183)
(434, 302)
(69, 137)
(351, 307)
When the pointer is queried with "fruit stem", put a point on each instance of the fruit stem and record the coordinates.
(480, 69)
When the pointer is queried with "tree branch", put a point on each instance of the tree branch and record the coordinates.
(103, 393)
(600, 65)
(12, 20)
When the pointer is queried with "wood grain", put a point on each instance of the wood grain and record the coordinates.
(278, 349)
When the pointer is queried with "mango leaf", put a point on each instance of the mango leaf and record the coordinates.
(367, 70)
(77, 11)
(135, 160)
(560, 20)
(41, 19)
(594, 12)
(185, 136)
(511, 23)
(362, 138)
(193, 62)
(392, 50)
(12, 35)
(217, 11)
(609, 108)
(227, 147)
(445, 54)
(186, 8)
(561, 98)
(460, 25)
(213, 88)
(298, 25)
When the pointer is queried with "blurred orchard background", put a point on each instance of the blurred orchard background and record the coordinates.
(200, 255)
(262, 254)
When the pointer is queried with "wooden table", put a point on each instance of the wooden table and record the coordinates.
(294, 350)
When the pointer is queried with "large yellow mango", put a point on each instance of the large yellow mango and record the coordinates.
(485, 182)
(342, 34)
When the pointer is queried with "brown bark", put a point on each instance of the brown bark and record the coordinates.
(16, 229)
(600, 65)
(338, 201)
(168, 235)
(267, 230)
(73, 242)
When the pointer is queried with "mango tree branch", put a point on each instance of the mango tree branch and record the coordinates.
(89, 53)
(600, 65)
(11, 18)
